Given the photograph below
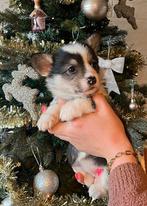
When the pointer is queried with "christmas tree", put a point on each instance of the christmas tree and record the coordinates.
(30, 27)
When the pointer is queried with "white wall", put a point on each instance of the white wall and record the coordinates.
(136, 37)
(3, 4)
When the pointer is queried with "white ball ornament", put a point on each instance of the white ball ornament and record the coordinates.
(95, 9)
(133, 105)
(46, 181)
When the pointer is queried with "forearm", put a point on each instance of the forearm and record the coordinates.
(128, 186)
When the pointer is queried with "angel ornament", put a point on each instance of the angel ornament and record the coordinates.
(20, 92)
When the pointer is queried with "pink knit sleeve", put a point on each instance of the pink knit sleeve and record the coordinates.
(128, 186)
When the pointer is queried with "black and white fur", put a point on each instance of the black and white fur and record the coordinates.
(73, 75)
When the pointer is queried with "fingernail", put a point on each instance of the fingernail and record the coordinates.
(79, 177)
(43, 108)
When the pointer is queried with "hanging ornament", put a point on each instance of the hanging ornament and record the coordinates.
(38, 17)
(95, 9)
(46, 181)
(125, 11)
(20, 92)
(132, 104)
(108, 66)
(117, 65)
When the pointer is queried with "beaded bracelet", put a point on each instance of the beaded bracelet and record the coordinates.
(119, 154)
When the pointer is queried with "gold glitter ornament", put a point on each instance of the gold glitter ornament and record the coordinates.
(95, 9)
(20, 92)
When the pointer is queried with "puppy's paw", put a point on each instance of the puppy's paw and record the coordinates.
(47, 121)
(42, 123)
(95, 192)
(100, 186)
(69, 112)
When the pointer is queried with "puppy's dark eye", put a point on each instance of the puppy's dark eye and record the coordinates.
(71, 70)
(94, 64)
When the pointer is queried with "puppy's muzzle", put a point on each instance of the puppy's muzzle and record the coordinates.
(91, 80)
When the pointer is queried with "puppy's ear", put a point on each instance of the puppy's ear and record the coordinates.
(42, 63)
(94, 41)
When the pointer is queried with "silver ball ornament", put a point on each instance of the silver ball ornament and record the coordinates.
(46, 181)
(133, 105)
(94, 9)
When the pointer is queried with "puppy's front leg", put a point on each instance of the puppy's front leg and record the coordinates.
(100, 186)
(76, 108)
(49, 118)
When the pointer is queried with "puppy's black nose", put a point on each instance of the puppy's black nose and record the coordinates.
(91, 80)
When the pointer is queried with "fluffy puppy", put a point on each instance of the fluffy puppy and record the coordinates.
(73, 75)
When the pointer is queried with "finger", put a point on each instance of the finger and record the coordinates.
(61, 129)
(102, 103)
(61, 101)
(65, 138)
(99, 100)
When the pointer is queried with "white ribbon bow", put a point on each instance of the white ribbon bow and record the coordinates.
(116, 65)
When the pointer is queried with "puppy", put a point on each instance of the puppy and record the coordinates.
(73, 75)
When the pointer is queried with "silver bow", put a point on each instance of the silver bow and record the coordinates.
(116, 65)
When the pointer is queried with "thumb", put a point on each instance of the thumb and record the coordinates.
(100, 101)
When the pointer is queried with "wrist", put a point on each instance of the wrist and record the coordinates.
(122, 152)
(121, 145)
(122, 160)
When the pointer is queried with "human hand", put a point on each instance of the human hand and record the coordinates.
(100, 133)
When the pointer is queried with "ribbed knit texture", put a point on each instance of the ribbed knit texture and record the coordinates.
(128, 186)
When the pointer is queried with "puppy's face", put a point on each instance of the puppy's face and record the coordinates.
(74, 71)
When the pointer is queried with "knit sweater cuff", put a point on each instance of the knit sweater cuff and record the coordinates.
(128, 177)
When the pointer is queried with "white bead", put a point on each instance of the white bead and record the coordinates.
(133, 105)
